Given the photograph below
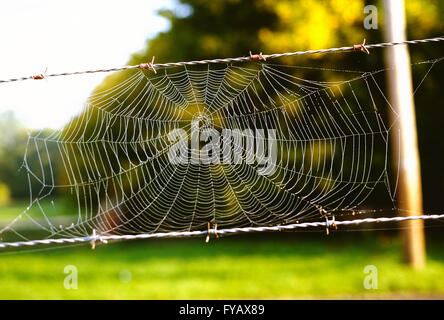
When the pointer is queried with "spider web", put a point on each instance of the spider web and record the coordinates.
(111, 162)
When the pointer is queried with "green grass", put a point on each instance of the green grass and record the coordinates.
(248, 267)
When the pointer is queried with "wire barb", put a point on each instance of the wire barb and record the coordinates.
(149, 65)
(257, 57)
(329, 223)
(215, 231)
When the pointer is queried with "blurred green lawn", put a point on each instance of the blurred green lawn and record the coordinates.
(245, 267)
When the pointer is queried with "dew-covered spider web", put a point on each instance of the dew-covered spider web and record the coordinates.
(274, 148)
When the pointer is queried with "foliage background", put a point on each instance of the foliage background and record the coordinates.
(229, 28)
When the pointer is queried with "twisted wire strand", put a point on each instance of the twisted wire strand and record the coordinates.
(104, 238)
(155, 66)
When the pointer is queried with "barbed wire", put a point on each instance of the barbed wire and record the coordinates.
(151, 65)
(329, 223)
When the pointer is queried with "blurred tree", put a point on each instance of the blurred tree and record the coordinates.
(5, 194)
(12, 141)
(14, 183)
(224, 28)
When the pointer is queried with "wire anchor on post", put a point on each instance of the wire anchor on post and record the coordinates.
(96, 237)
(211, 231)
(329, 223)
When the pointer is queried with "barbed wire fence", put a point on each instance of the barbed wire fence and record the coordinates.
(327, 224)
(252, 57)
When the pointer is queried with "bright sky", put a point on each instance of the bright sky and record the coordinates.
(67, 36)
